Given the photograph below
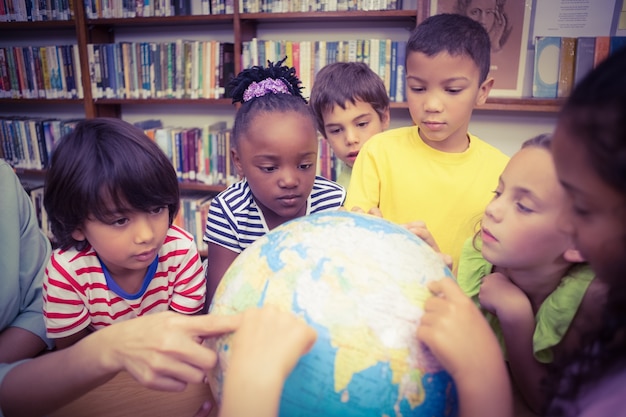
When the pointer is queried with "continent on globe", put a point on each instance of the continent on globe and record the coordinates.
(360, 282)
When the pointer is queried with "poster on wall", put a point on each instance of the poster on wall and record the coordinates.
(508, 23)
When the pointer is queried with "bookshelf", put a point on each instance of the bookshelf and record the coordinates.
(236, 27)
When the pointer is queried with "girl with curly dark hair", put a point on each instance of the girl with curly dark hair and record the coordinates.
(274, 147)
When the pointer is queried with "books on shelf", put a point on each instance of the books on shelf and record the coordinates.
(561, 62)
(35, 11)
(287, 6)
(96, 9)
(384, 56)
(190, 69)
(40, 72)
(29, 142)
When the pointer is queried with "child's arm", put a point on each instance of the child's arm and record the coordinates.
(63, 342)
(461, 339)
(219, 260)
(510, 304)
(265, 349)
(160, 350)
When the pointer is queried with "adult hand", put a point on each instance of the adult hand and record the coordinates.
(162, 351)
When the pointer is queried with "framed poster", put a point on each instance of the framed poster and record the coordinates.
(508, 23)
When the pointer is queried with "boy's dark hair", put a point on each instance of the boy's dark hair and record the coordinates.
(594, 116)
(454, 34)
(341, 82)
(274, 88)
(105, 163)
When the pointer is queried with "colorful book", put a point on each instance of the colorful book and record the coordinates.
(566, 66)
(585, 48)
(603, 46)
(546, 66)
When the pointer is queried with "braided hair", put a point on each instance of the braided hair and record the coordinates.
(274, 88)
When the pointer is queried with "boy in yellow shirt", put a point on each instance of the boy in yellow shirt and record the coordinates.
(351, 105)
(435, 171)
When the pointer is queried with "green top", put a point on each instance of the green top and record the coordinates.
(555, 314)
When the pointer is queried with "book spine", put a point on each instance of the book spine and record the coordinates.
(566, 66)
(546, 66)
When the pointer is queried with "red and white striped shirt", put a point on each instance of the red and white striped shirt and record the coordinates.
(77, 295)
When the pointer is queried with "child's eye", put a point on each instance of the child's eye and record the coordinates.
(334, 131)
(496, 194)
(579, 212)
(362, 124)
(158, 210)
(417, 89)
(305, 166)
(524, 209)
(454, 90)
(268, 169)
(120, 222)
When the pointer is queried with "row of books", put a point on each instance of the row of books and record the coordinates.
(561, 62)
(28, 142)
(105, 9)
(289, 6)
(203, 153)
(384, 56)
(197, 153)
(35, 10)
(180, 69)
(40, 72)
(192, 215)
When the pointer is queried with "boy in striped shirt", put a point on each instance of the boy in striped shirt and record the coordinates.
(111, 196)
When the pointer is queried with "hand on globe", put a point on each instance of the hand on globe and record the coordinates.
(418, 228)
(265, 348)
(461, 339)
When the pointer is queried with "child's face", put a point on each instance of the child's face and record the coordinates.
(126, 243)
(520, 227)
(596, 212)
(278, 156)
(348, 129)
(442, 91)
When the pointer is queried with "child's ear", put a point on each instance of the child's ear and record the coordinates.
(78, 235)
(483, 90)
(234, 155)
(573, 255)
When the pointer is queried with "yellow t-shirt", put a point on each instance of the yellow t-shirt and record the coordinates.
(408, 180)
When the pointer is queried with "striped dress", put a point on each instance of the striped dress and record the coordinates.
(78, 293)
(235, 221)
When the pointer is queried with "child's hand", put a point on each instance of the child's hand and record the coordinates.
(456, 331)
(270, 341)
(265, 348)
(460, 338)
(501, 297)
(419, 229)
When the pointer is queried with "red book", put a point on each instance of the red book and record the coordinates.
(603, 46)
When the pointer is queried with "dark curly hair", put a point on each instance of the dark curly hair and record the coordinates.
(293, 101)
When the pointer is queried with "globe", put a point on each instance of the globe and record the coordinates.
(359, 281)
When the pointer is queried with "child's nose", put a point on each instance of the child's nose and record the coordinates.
(432, 103)
(494, 210)
(143, 230)
(288, 178)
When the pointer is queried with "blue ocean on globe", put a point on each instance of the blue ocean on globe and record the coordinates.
(360, 282)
